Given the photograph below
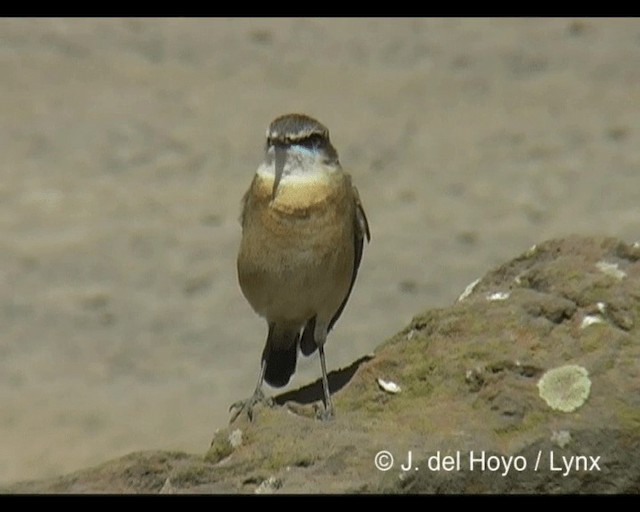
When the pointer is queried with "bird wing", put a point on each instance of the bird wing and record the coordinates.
(360, 232)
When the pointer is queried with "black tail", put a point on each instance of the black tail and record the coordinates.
(279, 356)
(308, 343)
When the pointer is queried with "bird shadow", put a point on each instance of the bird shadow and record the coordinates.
(313, 392)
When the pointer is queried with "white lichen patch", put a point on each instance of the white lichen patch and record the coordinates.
(269, 486)
(498, 296)
(591, 320)
(565, 388)
(235, 438)
(468, 290)
(388, 386)
(610, 269)
(602, 306)
(561, 438)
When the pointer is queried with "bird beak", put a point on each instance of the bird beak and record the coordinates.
(281, 156)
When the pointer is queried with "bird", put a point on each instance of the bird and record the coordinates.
(303, 232)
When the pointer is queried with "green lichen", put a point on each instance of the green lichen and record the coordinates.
(294, 452)
(594, 337)
(628, 415)
(193, 474)
(220, 448)
(565, 388)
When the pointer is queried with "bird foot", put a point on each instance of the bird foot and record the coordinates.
(248, 405)
(326, 414)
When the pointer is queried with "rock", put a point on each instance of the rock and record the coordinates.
(469, 417)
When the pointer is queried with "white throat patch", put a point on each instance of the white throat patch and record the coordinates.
(301, 165)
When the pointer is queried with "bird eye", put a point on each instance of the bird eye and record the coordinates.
(311, 142)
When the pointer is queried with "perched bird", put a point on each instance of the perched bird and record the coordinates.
(303, 230)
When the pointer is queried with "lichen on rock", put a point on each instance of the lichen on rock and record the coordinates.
(565, 388)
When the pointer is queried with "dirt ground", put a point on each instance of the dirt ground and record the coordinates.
(126, 145)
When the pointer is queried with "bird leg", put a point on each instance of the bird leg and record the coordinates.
(328, 412)
(248, 404)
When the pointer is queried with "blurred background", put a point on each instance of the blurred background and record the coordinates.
(127, 144)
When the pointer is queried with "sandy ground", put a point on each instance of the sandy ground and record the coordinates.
(126, 145)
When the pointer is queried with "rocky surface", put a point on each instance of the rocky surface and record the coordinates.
(468, 413)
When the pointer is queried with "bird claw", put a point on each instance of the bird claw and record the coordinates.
(326, 414)
(248, 405)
